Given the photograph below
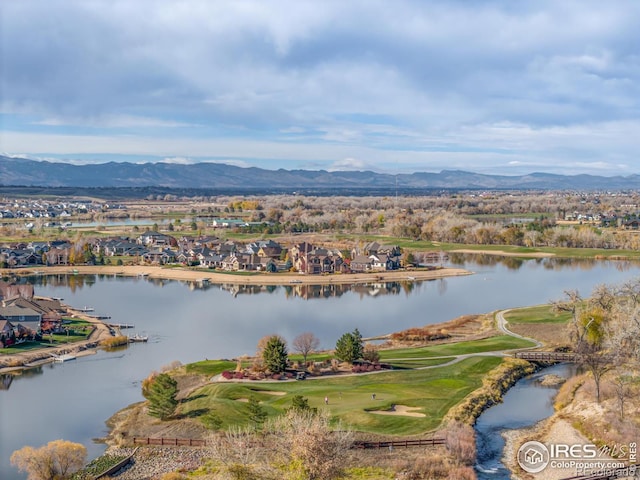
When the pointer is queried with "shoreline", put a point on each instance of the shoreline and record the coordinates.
(14, 363)
(257, 278)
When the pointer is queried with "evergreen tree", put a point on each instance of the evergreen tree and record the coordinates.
(161, 393)
(274, 354)
(212, 420)
(301, 404)
(257, 414)
(358, 345)
(349, 347)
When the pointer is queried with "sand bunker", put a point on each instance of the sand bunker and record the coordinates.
(271, 392)
(402, 410)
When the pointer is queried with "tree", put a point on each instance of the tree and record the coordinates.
(275, 354)
(161, 391)
(349, 347)
(301, 404)
(233, 450)
(212, 420)
(308, 444)
(57, 460)
(371, 354)
(590, 345)
(306, 343)
(257, 414)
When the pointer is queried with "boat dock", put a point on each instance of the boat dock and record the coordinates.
(120, 325)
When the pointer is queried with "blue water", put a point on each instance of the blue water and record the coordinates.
(186, 322)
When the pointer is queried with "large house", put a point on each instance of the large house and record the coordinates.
(156, 239)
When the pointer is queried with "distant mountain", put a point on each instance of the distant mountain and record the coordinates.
(23, 172)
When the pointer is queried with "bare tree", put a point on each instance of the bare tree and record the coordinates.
(572, 304)
(306, 441)
(305, 343)
(622, 382)
(235, 451)
(57, 460)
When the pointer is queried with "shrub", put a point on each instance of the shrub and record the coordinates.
(115, 341)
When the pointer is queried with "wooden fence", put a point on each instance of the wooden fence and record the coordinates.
(421, 442)
(192, 442)
(174, 442)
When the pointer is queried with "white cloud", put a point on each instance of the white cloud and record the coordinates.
(471, 84)
(347, 164)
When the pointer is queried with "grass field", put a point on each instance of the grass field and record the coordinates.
(500, 342)
(434, 391)
(538, 314)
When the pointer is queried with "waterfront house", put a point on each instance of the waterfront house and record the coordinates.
(298, 255)
(160, 257)
(11, 290)
(57, 256)
(27, 318)
(156, 239)
(7, 333)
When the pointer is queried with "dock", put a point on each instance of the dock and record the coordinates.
(120, 325)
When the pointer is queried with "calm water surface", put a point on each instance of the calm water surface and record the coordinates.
(523, 405)
(187, 322)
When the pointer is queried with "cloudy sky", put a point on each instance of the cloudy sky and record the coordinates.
(507, 87)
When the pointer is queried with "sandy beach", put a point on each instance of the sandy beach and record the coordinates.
(255, 278)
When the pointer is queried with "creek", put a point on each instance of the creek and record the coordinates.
(525, 404)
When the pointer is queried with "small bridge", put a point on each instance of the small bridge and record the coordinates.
(547, 356)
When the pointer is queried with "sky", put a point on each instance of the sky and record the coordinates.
(496, 87)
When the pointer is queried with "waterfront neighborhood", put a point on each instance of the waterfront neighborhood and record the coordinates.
(154, 248)
(319, 240)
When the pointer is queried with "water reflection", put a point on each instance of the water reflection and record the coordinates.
(549, 263)
(304, 291)
(7, 379)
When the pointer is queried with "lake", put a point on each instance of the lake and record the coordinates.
(186, 321)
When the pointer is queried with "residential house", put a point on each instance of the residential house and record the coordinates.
(57, 256)
(322, 260)
(11, 290)
(392, 254)
(211, 261)
(298, 255)
(19, 257)
(26, 320)
(7, 333)
(265, 248)
(160, 257)
(50, 311)
(228, 247)
(156, 239)
(372, 263)
(241, 261)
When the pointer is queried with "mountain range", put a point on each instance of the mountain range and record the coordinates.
(218, 176)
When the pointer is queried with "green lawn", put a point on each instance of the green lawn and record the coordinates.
(210, 367)
(418, 363)
(22, 347)
(434, 391)
(500, 342)
(538, 314)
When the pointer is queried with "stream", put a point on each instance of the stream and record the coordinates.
(524, 405)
